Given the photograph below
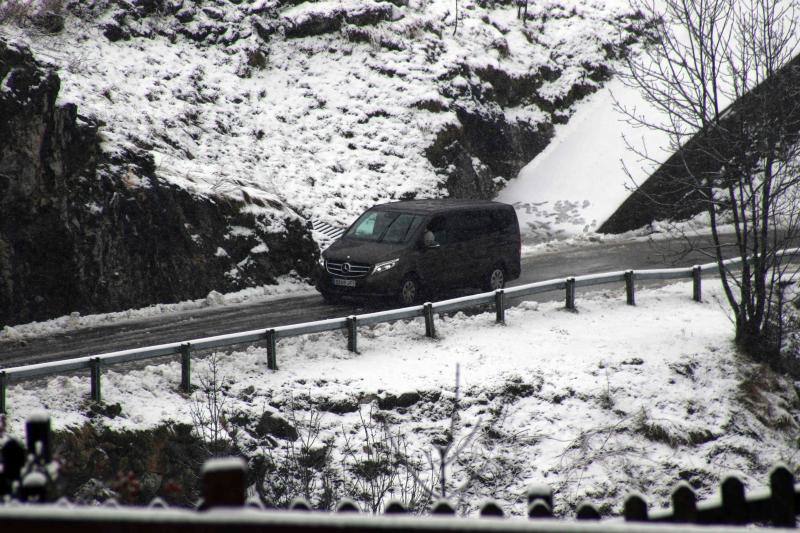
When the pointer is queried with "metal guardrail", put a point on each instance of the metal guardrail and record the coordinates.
(351, 324)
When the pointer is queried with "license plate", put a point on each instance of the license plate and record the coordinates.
(344, 282)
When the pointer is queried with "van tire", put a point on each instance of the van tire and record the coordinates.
(409, 291)
(495, 278)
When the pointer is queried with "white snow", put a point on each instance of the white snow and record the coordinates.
(610, 399)
(290, 285)
(580, 179)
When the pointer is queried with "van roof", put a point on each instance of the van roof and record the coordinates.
(438, 205)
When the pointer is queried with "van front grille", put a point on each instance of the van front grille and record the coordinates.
(347, 269)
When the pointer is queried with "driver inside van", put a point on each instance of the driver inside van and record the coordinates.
(429, 238)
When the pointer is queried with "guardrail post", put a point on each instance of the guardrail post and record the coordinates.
(630, 288)
(352, 333)
(500, 305)
(570, 287)
(697, 283)
(186, 367)
(94, 379)
(430, 327)
(272, 350)
(3, 381)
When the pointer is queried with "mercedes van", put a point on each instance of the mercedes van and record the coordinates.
(402, 249)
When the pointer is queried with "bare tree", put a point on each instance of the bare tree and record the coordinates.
(209, 410)
(724, 75)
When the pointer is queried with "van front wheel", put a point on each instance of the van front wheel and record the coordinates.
(495, 279)
(409, 291)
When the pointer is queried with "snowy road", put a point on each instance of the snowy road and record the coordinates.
(584, 259)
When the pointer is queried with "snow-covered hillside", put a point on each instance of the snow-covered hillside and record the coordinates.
(597, 403)
(589, 168)
(332, 106)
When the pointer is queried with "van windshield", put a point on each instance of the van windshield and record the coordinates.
(384, 226)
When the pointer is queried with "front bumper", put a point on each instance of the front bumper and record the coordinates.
(378, 285)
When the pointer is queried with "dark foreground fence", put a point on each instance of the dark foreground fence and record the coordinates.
(270, 336)
(27, 478)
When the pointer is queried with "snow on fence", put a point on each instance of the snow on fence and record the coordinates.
(225, 507)
(428, 310)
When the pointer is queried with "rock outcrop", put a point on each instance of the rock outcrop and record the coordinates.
(86, 231)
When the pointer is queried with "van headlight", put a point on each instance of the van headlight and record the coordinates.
(385, 265)
(321, 261)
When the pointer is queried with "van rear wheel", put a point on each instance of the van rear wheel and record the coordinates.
(409, 291)
(495, 279)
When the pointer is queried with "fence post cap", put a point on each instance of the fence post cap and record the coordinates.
(224, 464)
(395, 506)
(223, 482)
(34, 479)
(539, 490)
(38, 417)
(491, 507)
(539, 508)
(731, 477)
(780, 469)
(158, 503)
(346, 505)
(636, 496)
(635, 508)
(587, 511)
(442, 506)
(299, 504)
(111, 502)
(683, 489)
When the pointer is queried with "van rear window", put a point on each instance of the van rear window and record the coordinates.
(384, 226)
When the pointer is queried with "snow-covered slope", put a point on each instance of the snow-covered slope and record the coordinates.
(332, 106)
(589, 168)
(597, 403)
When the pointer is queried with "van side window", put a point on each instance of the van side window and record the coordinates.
(439, 228)
(471, 225)
(502, 220)
(401, 228)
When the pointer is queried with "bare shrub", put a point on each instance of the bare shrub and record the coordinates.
(302, 467)
(378, 466)
(208, 408)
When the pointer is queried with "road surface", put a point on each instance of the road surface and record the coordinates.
(186, 325)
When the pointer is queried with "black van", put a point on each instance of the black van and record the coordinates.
(400, 249)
